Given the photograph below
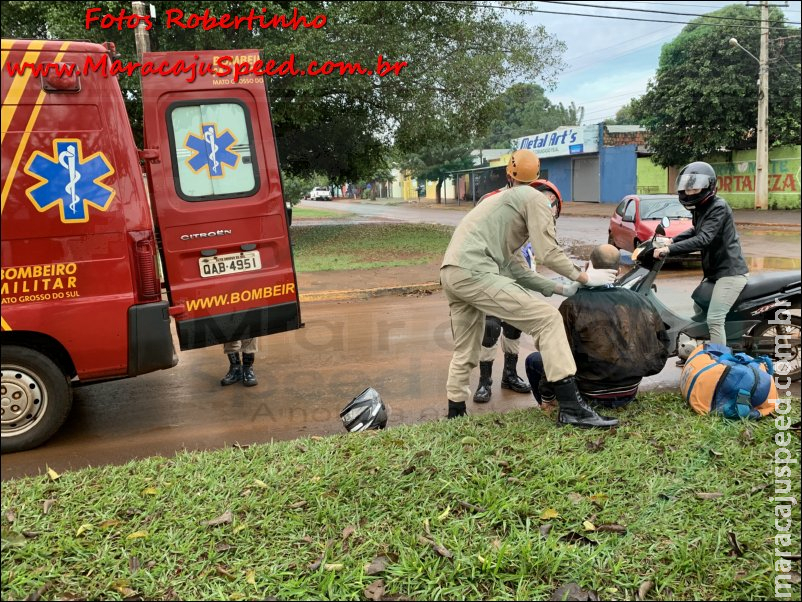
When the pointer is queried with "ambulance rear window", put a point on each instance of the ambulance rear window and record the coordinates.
(213, 153)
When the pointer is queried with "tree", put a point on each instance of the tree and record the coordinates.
(624, 116)
(436, 161)
(523, 109)
(704, 96)
(343, 126)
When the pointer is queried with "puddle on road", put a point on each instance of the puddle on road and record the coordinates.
(773, 263)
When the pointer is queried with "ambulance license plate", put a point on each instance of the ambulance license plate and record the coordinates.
(222, 265)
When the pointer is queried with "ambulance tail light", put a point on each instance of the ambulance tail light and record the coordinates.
(147, 276)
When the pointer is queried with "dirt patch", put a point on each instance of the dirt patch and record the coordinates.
(309, 282)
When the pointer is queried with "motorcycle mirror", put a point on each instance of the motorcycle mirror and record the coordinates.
(663, 226)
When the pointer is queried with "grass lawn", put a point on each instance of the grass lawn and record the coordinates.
(367, 246)
(302, 213)
(497, 506)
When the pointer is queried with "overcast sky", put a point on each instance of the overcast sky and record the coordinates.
(610, 61)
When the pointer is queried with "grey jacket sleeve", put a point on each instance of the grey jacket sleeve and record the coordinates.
(703, 235)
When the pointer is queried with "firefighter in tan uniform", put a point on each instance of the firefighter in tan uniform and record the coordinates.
(481, 275)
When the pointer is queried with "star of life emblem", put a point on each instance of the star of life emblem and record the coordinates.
(69, 180)
(212, 151)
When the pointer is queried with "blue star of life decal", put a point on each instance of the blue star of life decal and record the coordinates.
(212, 150)
(70, 180)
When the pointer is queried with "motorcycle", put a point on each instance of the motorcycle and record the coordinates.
(759, 323)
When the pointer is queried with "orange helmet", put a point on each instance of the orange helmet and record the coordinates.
(552, 193)
(524, 166)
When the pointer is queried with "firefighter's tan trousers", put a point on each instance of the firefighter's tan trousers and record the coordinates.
(470, 296)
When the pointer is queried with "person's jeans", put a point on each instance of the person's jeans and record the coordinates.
(725, 294)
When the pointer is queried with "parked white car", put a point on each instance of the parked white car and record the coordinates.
(320, 193)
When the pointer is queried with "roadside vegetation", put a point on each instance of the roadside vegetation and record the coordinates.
(671, 505)
(368, 246)
(302, 213)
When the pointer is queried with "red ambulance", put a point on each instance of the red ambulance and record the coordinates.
(82, 298)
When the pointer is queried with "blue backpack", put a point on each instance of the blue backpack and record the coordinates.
(716, 381)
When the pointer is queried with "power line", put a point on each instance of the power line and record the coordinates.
(553, 12)
(661, 12)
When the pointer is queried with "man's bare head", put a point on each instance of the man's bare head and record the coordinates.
(605, 257)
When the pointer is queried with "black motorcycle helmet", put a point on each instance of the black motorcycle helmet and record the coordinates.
(696, 176)
(366, 411)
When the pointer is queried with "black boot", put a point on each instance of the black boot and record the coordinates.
(234, 370)
(248, 377)
(483, 392)
(573, 409)
(456, 409)
(510, 378)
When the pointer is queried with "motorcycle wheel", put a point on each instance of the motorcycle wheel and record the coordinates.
(792, 357)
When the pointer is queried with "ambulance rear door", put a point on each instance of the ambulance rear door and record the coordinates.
(216, 190)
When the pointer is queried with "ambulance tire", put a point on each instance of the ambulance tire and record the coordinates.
(37, 398)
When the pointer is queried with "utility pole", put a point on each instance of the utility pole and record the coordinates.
(762, 152)
(141, 35)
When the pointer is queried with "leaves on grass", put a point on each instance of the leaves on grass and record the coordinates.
(299, 504)
(224, 519)
(709, 496)
(107, 524)
(575, 498)
(471, 507)
(736, 549)
(133, 564)
(11, 516)
(13, 539)
(223, 547)
(48, 504)
(469, 440)
(588, 526)
(250, 577)
(260, 483)
(150, 491)
(408, 470)
(574, 593)
(348, 532)
(549, 513)
(599, 498)
(37, 595)
(52, 474)
(377, 565)
(595, 444)
(83, 529)
(644, 589)
(138, 535)
(573, 537)
(375, 591)
(444, 514)
(223, 571)
(439, 550)
(611, 528)
(545, 529)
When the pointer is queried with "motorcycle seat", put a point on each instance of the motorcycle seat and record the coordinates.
(759, 285)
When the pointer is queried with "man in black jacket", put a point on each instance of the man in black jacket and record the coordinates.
(616, 337)
(714, 234)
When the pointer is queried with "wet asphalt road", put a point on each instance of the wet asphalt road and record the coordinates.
(399, 345)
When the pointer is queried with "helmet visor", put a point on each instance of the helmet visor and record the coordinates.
(694, 181)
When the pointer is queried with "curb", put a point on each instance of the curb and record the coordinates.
(348, 295)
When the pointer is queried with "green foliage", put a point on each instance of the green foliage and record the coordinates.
(705, 96)
(523, 109)
(295, 187)
(436, 161)
(686, 500)
(624, 116)
(458, 55)
(368, 246)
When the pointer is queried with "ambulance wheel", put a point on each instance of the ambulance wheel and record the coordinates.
(36, 398)
(787, 364)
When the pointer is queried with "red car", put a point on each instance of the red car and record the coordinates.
(637, 216)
